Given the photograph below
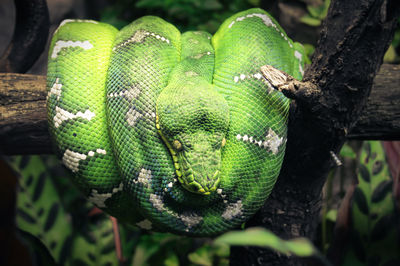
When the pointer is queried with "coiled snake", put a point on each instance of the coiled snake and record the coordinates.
(169, 131)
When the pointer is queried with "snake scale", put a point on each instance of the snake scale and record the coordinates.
(168, 131)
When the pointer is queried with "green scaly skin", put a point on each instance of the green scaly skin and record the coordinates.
(169, 131)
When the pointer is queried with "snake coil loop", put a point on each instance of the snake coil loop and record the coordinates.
(169, 131)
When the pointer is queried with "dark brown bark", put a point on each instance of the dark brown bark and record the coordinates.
(384, 103)
(354, 38)
(23, 124)
(23, 120)
(29, 38)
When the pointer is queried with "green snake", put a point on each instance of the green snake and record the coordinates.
(169, 131)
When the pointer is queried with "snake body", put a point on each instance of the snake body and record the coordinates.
(169, 131)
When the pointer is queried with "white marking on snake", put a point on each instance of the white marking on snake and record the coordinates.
(145, 224)
(139, 36)
(271, 142)
(130, 94)
(274, 141)
(101, 151)
(299, 56)
(257, 75)
(266, 20)
(194, 41)
(132, 116)
(233, 210)
(71, 158)
(198, 56)
(55, 90)
(189, 219)
(156, 200)
(65, 21)
(144, 177)
(66, 44)
(191, 74)
(99, 199)
(250, 76)
(220, 192)
(63, 115)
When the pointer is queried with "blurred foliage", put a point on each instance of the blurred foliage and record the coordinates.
(367, 230)
(374, 230)
(59, 224)
(51, 213)
(316, 13)
(62, 228)
(187, 15)
(262, 237)
(393, 53)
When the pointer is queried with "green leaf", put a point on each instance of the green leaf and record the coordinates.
(52, 210)
(202, 256)
(364, 173)
(361, 200)
(311, 21)
(382, 190)
(319, 11)
(331, 215)
(390, 55)
(383, 227)
(171, 260)
(348, 152)
(374, 221)
(308, 50)
(41, 255)
(261, 237)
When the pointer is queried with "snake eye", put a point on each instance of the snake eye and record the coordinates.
(223, 142)
(177, 145)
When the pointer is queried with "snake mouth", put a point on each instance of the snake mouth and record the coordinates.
(196, 173)
(200, 185)
(198, 167)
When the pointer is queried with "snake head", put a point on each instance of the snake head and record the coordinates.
(193, 125)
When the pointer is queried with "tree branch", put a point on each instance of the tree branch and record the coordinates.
(354, 38)
(23, 120)
(384, 105)
(29, 38)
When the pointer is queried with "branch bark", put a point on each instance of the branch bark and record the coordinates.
(384, 104)
(29, 38)
(354, 38)
(23, 120)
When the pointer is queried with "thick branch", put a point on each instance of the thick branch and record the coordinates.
(380, 117)
(29, 38)
(23, 120)
(350, 50)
